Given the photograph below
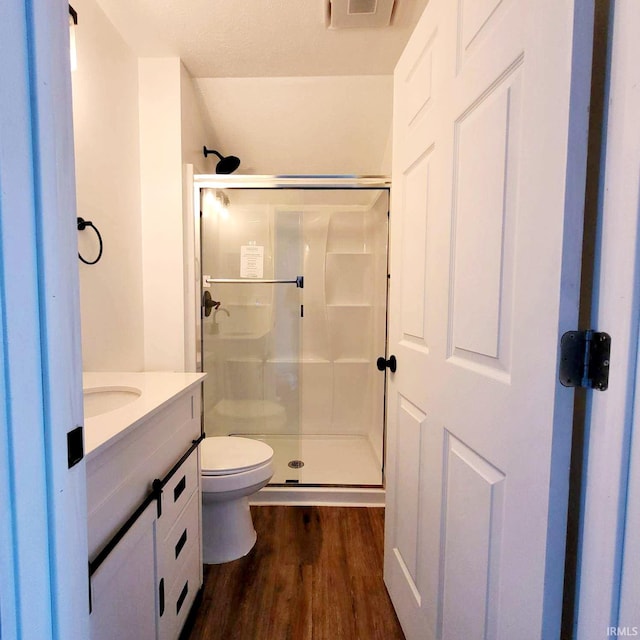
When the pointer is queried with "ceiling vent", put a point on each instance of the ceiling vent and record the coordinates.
(344, 14)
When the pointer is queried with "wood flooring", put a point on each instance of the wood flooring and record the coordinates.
(314, 574)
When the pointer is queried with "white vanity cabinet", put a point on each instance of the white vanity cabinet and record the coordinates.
(143, 495)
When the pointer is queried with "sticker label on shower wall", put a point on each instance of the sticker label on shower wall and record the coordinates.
(251, 261)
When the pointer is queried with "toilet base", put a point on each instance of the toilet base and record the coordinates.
(227, 529)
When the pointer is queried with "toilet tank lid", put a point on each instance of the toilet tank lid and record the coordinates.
(232, 454)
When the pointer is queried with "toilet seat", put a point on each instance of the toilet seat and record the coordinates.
(228, 455)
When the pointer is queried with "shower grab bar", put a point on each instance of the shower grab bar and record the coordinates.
(299, 281)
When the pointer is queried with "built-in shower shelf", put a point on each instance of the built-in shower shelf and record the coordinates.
(352, 361)
(349, 330)
(348, 277)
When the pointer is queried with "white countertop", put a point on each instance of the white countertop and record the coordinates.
(156, 390)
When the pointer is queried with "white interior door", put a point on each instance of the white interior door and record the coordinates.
(43, 542)
(490, 126)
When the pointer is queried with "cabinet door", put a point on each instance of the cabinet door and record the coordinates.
(123, 588)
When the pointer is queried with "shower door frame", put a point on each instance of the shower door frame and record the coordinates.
(290, 182)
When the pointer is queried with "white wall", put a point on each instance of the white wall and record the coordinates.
(195, 135)
(137, 123)
(302, 125)
(105, 114)
(172, 134)
(161, 180)
(195, 124)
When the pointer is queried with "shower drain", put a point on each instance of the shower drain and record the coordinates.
(296, 464)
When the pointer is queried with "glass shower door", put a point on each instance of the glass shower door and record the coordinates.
(252, 271)
(298, 286)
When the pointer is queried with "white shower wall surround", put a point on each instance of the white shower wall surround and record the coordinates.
(290, 361)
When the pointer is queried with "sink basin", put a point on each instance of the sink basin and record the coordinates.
(103, 399)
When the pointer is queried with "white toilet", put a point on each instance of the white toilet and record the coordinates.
(232, 469)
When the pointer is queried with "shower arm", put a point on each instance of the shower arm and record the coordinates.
(299, 281)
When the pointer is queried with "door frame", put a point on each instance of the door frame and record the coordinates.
(610, 523)
(43, 544)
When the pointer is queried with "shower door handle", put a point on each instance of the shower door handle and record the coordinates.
(391, 363)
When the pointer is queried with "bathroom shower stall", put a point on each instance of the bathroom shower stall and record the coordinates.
(294, 307)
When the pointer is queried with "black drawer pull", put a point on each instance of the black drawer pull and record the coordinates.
(180, 487)
(161, 596)
(181, 543)
(182, 598)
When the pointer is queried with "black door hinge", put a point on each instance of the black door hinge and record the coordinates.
(75, 446)
(584, 359)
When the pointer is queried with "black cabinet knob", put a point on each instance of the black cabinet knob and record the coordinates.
(382, 364)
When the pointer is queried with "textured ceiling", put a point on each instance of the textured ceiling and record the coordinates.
(260, 38)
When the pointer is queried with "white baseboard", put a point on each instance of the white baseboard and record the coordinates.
(319, 496)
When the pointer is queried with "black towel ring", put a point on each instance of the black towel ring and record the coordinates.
(82, 225)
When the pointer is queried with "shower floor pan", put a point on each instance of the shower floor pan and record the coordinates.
(322, 460)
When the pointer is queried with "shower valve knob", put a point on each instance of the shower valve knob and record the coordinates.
(209, 303)
(391, 363)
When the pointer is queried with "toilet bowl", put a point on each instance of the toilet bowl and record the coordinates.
(232, 469)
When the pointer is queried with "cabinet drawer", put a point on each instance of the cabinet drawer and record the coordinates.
(182, 540)
(179, 598)
(177, 492)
